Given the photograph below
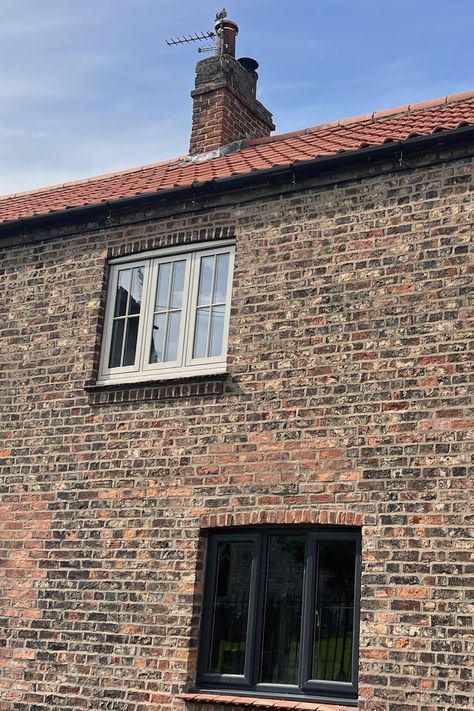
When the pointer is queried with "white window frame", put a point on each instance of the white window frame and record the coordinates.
(185, 365)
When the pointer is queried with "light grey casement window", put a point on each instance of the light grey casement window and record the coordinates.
(167, 314)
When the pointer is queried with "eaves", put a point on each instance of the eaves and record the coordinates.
(291, 171)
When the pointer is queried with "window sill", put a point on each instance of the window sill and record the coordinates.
(190, 386)
(250, 701)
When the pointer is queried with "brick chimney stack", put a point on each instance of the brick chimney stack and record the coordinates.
(225, 107)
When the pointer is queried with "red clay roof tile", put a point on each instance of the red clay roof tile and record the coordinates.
(351, 134)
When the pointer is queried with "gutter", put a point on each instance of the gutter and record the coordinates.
(302, 168)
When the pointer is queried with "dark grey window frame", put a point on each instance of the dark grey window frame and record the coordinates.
(310, 689)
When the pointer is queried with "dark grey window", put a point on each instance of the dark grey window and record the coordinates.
(281, 613)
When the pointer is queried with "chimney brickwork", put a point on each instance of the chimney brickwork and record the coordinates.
(225, 107)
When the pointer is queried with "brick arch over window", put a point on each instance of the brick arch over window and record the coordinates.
(290, 516)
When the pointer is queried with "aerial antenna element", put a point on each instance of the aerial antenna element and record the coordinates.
(186, 39)
(223, 36)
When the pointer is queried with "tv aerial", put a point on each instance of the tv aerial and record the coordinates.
(203, 36)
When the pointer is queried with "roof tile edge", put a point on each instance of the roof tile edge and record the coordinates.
(91, 179)
(395, 111)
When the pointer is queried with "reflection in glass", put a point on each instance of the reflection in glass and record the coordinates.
(157, 339)
(201, 333)
(167, 318)
(162, 291)
(130, 341)
(205, 280)
(230, 612)
(217, 331)
(334, 614)
(121, 298)
(220, 286)
(282, 610)
(136, 291)
(173, 335)
(178, 285)
(126, 317)
(116, 343)
(210, 312)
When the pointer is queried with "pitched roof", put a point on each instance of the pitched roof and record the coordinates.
(345, 136)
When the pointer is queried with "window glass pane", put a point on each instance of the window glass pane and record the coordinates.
(178, 284)
(121, 298)
(220, 286)
(162, 291)
(230, 612)
(173, 335)
(200, 334)
(217, 330)
(334, 615)
(116, 343)
(205, 280)
(136, 291)
(131, 341)
(157, 338)
(282, 610)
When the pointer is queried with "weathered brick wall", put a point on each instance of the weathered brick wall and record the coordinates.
(347, 401)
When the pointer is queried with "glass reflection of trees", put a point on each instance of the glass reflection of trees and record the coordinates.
(128, 300)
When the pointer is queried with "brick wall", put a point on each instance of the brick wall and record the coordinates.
(346, 402)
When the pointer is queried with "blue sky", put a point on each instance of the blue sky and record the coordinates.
(89, 86)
